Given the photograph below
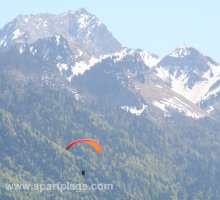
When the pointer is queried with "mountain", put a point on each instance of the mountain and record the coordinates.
(81, 29)
(71, 40)
(126, 81)
(38, 121)
(191, 74)
(65, 77)
(70, 49)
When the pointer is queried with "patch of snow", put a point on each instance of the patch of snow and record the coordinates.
(158, 86)
(149, 59)
(57, 39)
(118, 56)
(62, 66)
(88, 33)
(137, 88)
(176, 104)
(21, 49)
(200, 91)
(77, 96)
(69, 78)
(59, 57)
(211, 77)
(2, 41)
(80, 67)
(160, 105)
(212, 93)
(210, 109)
(33, 51)
(45, 23)
(83, 21)
(16, 34)
(163, 74)
(181, 52)
(134, 110)
(26, 20)
(80, 52)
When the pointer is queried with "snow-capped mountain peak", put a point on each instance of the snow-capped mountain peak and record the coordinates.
(76, 44)
(79, 28)
(85, 19)
(81, 11)
(189, 73)
(182, 51)
(148, 58)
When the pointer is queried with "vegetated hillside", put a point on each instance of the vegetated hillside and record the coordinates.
(61, 83)
(143, 159)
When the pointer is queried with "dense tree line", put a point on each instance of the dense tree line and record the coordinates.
(143, 158)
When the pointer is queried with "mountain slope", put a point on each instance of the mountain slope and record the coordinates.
(67, 49)
(61, 81)
(191, 74)
(80, 28)
(40, 122)
(125, 80)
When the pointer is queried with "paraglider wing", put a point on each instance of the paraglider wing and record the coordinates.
(93, 143)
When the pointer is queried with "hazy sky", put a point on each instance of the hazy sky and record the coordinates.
(157, 26)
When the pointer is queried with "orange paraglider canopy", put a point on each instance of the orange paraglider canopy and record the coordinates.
(93, 143)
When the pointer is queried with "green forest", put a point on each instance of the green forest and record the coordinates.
(143, 158)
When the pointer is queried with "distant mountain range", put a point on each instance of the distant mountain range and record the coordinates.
(76, 47)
